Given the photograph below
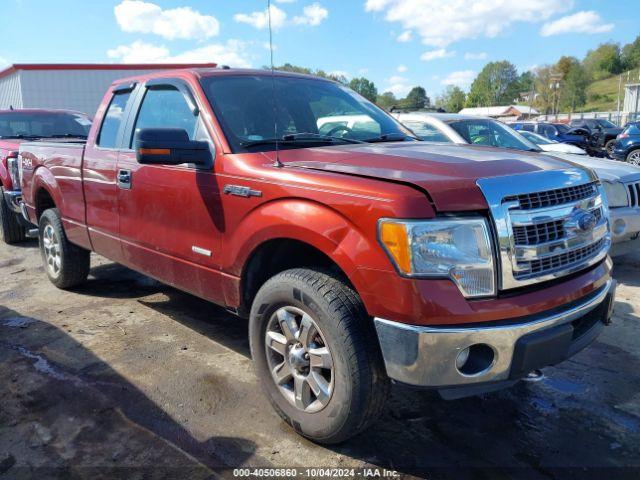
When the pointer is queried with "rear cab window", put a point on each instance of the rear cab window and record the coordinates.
(113, 120)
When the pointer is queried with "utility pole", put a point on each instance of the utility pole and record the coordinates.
(619, 91)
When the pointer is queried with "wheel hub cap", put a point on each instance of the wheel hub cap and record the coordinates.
(300, 361)
(51, 250)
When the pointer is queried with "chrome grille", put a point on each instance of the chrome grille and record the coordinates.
(634, 194)
(546, 232)
(538, 233)
(551, 198)
(535, 268)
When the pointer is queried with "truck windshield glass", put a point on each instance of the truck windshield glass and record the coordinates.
(245, 108)
(18, 124)
(491, 133)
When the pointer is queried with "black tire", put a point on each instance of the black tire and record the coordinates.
(11, 230)
(74, 262)
(608, 148)
(360, 387)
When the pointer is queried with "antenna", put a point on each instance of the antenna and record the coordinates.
(277, 162)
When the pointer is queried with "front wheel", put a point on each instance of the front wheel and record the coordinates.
(633, 157)
(66, 264)
(316, 355)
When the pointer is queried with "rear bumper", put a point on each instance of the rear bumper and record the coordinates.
(426, 356)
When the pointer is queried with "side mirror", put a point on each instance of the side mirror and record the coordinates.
(170, 146)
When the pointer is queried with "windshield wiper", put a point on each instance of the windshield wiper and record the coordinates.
(66, 135)
(391, 137)
(20, 137)
(299, 138)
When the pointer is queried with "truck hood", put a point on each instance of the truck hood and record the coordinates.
(609, 170)
(447, 173)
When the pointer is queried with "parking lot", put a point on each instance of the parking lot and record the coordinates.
(125, 373)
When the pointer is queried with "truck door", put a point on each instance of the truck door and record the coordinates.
(170, 216)
(100, 177)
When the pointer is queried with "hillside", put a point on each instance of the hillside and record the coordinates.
(602, 95)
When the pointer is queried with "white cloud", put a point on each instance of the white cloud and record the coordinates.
(313, 15)
(580, 22)
(461, 78)
(362, 71)
(3, 62)
(230, 53)
(260, 20)
(340, 73)
(475, 56)
(398, 85)
(435, 54)
(405, 36)
(182, 22)
(442, 22)
(401, 68)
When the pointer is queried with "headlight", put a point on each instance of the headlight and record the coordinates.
(616, 194)
(459, 249)
(12, 166)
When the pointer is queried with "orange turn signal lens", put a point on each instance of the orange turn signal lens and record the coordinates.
(394, 237)
(155, 151)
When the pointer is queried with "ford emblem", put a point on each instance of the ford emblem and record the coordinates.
(586, 222)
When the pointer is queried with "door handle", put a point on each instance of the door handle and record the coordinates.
(124, 179)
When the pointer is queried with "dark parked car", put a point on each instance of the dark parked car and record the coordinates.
(627, 146)
(558, 132)
(603, 134)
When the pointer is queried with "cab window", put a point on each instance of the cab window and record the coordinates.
(167, 108)
(108, 136)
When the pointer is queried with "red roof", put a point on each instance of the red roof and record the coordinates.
(101, 66)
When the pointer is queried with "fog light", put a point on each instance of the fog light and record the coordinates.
(619, 226)
(475, 360)
(462, 358)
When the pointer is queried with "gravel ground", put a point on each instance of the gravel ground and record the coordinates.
(129, 378)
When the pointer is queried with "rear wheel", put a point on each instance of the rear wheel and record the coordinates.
(316, 355)
(11, 230)
(633, 157)
(609, 147)
(66, 264)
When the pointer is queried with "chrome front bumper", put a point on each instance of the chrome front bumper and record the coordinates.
(625, 228)
(13, 199)
(426, 356)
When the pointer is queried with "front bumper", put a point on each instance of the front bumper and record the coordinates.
(625, 229)
(13, 199)
(426, 356)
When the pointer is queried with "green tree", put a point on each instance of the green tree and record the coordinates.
(574, 87)
(364, 87)
(604, 61)
(631, 54)
(452, 100)
(387, 100)
(417, 99)
(496, 84)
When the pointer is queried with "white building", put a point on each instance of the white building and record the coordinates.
(505, 113)
(68, 86)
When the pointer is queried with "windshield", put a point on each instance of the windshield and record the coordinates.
(535, 138)
(491, 133)
(561, 127)
(18, 124)
(605, 124)
(306, 110)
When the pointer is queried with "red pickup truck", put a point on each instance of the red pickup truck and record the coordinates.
(359, 254)
(17, 126)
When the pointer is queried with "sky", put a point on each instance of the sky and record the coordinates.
(396, 43)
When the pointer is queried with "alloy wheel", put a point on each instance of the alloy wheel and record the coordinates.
(299, 359)
(52, 249)
(634, 158)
